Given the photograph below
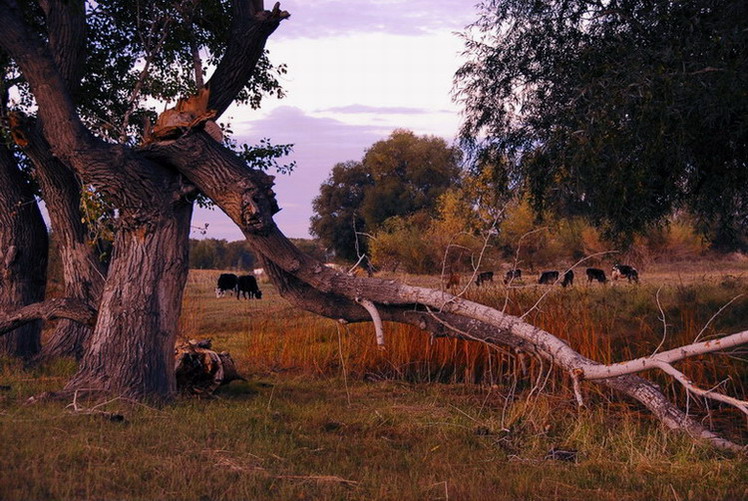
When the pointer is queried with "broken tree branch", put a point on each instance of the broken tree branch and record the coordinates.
(375, 318)
(246, 196)
(742, 405)
(51, 309)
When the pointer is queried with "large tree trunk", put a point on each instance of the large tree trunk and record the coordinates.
(131, 351)
(23, 255)
(83, 273)
(82, 270)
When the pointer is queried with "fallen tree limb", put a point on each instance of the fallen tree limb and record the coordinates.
(247, 197)
(51, 309)
(742, 405)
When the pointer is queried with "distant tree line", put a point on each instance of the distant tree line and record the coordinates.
(215, 254)
(613, 125)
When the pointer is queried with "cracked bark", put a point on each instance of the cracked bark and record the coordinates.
(23, 256)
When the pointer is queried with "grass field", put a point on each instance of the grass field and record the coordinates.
(325, 415)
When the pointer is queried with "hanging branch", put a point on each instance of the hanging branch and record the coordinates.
(376, 319)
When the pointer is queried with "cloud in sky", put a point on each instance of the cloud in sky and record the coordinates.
(326, 18)
(287, 124)
(386, 110)
(356, 71)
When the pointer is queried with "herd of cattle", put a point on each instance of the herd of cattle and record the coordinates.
(551, 277)
(244, 286)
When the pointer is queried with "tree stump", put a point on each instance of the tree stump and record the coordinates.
(200, 370)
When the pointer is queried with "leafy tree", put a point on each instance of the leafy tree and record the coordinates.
(337, 215)
(410, 173)
(398, 176)
(621, 111)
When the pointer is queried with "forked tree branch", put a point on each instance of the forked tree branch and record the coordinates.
(250, 29)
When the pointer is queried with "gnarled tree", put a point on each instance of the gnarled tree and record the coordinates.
(131, 349)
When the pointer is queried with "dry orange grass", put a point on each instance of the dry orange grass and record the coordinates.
(606, 323)
(311, 424)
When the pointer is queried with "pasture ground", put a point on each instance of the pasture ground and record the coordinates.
(325, 415)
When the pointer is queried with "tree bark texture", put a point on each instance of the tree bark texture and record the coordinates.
(131, 350)
(23, 255)
(82, 270)
(83, 273)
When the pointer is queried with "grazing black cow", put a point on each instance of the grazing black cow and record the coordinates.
(226, 282)
(596, 274)
(485, 276)
(511, 275)
(548, 277)
(568, 278)
(625, 271)
(246, 286)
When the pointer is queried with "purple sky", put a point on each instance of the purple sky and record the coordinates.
(357, 70)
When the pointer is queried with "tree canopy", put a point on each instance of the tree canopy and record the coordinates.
(620, 111)
(398, 176)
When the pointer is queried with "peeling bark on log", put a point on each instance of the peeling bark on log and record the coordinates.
(200, 370)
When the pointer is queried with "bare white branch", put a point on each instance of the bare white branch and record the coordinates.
(742, 405)
(378, 329)
(666, 357)
(663, 319)
(703, 329)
